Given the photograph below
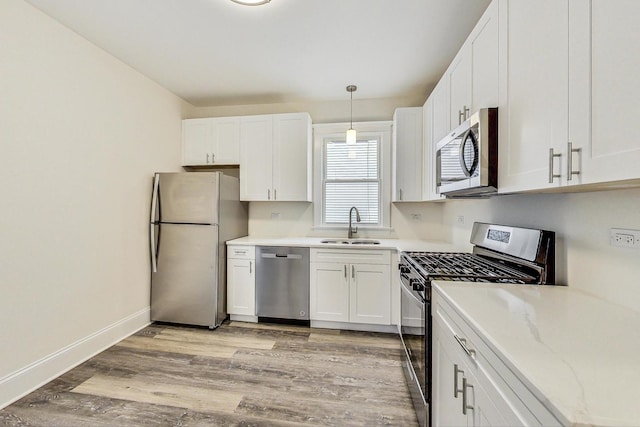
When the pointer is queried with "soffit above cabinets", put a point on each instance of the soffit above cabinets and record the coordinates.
(217, 52)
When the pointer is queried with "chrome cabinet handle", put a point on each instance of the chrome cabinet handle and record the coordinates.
(250, 267)
(353, 272)
(552, 176)
(275, 195)
(570, 151)
(465, 406)
(456, 371)
(460, 116)
(345, 271)
(207, 158)
(466, 112)
(268, 194)
(463, 343)
(400, 191)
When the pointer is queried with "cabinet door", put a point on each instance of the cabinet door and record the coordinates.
(226, 140)
(329, 292)
(534, 117)
(614, 153)
(256, 154)
(441, 113)
(429, 154)
(447, 374)
(484, 52)
(197, 142)
(241, 289)
(407, 154)
(292, 157)
(370, 294)
(460, 87)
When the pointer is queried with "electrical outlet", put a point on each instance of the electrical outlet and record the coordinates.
(416, 216)
(624, 238)
(460, 219)
(275, 215)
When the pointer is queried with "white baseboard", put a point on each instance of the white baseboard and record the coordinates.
(22, 382)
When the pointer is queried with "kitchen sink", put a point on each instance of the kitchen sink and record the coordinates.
(352, 242)
(364, 242)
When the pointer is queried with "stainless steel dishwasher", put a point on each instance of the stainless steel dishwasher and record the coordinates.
(282, 282)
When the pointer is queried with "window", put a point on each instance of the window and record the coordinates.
(352, 175)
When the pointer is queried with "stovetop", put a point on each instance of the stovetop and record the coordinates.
(465, 267)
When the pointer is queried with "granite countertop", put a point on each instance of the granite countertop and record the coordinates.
(315, 242)
(579, 354)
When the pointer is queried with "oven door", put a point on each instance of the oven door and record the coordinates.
(414, 331)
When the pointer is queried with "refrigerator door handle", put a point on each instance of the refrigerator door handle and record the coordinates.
(154, 197)
(152, 236)
(154, 254)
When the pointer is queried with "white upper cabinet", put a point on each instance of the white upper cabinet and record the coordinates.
(474, 72)
(571, 94)
(441, 109)
(613, 151)
(275, 157)
(429, 192)
(211, 141)
(533, 116)
(407, 154)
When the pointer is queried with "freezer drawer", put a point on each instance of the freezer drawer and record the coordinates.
(282, 282)
(184, 289)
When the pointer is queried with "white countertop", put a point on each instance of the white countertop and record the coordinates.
(576, 351)
(315, 242)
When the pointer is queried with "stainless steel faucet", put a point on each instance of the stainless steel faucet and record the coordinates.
(353, 230)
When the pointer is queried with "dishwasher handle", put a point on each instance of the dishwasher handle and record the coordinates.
(282, 256)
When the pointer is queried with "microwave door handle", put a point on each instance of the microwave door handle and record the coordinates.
(463, 166)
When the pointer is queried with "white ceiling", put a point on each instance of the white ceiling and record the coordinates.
(216, 52)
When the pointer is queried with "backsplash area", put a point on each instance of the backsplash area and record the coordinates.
(584, 258)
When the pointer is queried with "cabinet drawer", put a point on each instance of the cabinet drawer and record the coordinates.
(351, 256)
(512, 395)
(241, 252)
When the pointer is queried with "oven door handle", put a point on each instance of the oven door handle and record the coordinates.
(411, 295)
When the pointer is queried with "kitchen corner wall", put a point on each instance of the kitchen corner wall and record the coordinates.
(81, 135)
(584, 260)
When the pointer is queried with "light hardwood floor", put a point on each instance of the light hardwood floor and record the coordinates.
(241, 374)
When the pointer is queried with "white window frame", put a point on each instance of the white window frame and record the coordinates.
(366, 130)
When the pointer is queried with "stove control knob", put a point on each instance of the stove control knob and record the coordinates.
(416, 285)
(404, 269)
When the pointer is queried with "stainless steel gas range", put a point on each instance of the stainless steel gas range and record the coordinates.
(500, 254)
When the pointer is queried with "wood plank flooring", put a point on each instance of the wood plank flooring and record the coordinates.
(241, 374)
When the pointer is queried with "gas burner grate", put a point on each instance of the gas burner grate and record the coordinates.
(465, 267)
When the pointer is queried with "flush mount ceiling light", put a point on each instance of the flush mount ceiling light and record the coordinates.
(251, 2)
(351, 133)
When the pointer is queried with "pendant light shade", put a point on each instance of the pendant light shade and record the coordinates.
(352, 138)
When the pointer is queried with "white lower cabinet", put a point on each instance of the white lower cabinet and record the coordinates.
(472, 385)
(350, 286)
(241, 281)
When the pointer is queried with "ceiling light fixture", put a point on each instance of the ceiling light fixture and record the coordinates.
(351, 133)
(251, 2)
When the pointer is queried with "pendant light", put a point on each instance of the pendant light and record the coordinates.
(351, 133)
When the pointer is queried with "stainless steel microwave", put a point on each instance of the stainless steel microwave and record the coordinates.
(467, 158)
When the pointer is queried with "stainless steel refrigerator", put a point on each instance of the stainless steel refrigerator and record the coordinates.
(193, 214)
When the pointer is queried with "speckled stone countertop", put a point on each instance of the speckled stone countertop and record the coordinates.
(579, 354)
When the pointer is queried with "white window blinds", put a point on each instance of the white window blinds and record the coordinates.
(351, 177)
